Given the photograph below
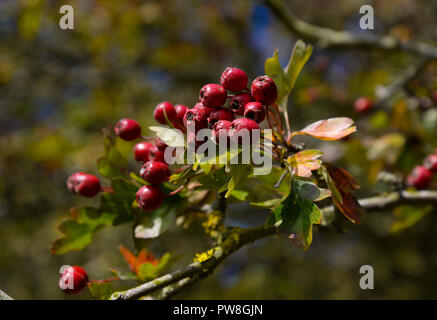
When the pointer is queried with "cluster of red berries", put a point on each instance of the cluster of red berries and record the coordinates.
(421, 176)
(73, 280)
(363, 105)
(210, 112)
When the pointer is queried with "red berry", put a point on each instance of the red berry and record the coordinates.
(199, 115)
(220, 114)
(73, 279)
(128, 129)
(220, 130)
(85, 184)
(156, 154)
(431, 163)
(150, 198)
(162, 109)
(264, 90)
(155, 172)
(180, 113)
(241, 127)
(255, 111)
(234, 79)
(239, 101)
(213, 95)
(161, 145)
(419, 178)
(363, 104)
(142, 151)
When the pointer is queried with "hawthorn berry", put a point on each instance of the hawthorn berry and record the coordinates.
(149, 198)
(213, 95)
(363, 104)
(164, 109)
(156, 154)
(128, 129)
(431, 163)
(239, 101)
(161, 145)
(180, 113)
(73, 280)
(264, 90)
(419, 178)
(220, 130)
(220, 114)
(84, 184)
(234, 79)
(155, 172)
(199, 115)
(241, 127)
(142, 151)
(255, 111)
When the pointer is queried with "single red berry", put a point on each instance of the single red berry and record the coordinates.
(220, 114)
(213, 95)
(180, 113)
(264, 90)
(161, 145)
(220, 130)
(149, 198)
(419, 178)
(164, 109)
(255, 111)
(73, 280)
(156, 154)
(128, 129)
(234, 79)
(142, 151)
(199, 115)
(241, 129)
(155, 172)
(363, 104)
(85, 184)
(239, 101)
(431, 163)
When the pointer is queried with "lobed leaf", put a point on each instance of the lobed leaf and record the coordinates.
(304, 162)
(329, 129)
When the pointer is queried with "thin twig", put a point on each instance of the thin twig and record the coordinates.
(327, 37)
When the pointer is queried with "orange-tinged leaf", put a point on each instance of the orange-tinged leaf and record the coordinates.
(330, 129)
(345, 182)
(145, 257)
(129, 257)
(304, 162)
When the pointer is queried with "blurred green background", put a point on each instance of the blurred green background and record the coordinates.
(58, 89)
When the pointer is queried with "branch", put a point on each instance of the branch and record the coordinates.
(234, 240)
(4, 296)
(327, 37)
(238, 237)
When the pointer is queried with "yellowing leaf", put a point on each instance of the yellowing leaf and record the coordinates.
(330, 129)
(172, 137)
(304, 162)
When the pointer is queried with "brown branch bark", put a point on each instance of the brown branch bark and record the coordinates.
(327, 37)
(238, 237)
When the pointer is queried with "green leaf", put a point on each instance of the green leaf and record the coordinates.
(100, 290)
(129, 275)
(112, 164)
(275, 71)
(299, 57)
(311, 191)
(408, 216)
(148, 271)
(215, 181)
(80, 230)
(238, 173)
(296, 216)
(159, 220)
